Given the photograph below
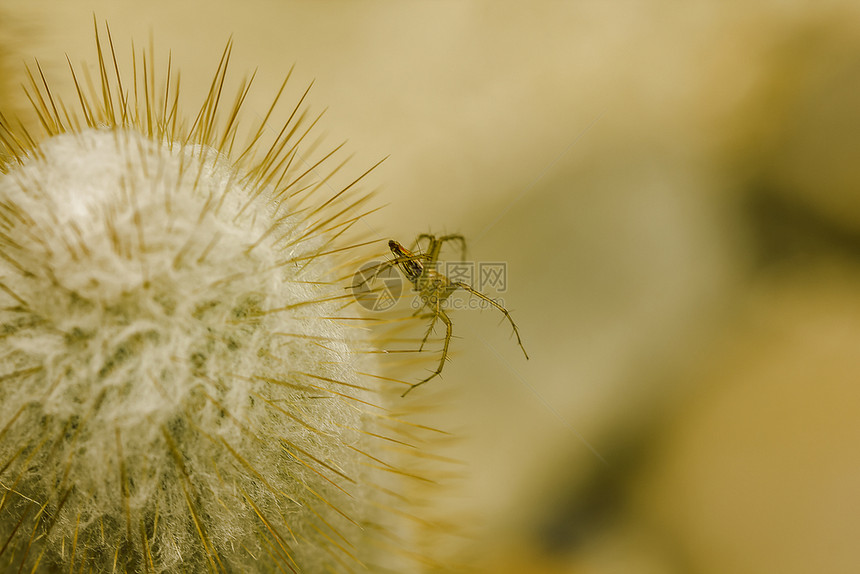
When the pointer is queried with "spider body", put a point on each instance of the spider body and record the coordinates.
(434, 288)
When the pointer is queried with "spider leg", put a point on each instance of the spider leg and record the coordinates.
(385, 265)
(459, 239)
(377, 269)
(429, 330)
(432, 316)
(477, 293)
(448, 330)
(433, 249)
(435, 246)
(430, 238)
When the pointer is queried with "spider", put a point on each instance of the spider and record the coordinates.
(434, 288)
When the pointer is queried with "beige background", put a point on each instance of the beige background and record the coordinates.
(674, 190)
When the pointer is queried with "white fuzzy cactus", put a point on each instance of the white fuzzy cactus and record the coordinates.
(177, 392)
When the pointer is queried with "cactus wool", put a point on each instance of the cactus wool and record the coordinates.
(179, 390)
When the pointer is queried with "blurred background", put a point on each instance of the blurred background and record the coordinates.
(675, 191)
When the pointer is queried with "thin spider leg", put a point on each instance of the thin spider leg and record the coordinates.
(428, 236)
(418, 239)
(435, 246)
(459, 239)
(448, 330)
(429, 330)
(433, 249)
(477, 293)
(378, 269)
(432, 316)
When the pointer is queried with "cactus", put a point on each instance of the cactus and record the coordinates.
(179, 391)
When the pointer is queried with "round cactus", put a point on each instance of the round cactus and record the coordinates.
(179, 390)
